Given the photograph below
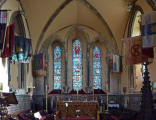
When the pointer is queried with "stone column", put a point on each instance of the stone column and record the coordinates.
(114, 83)
(88, 69)
(39, 86)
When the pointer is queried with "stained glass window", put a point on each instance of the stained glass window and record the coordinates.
(96, 68)
(57, 68)
(77, 65)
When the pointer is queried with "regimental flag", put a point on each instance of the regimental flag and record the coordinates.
(149, 29)
(134, 52)
(18, 53)
(11, 37)
(21, 49)
(38, 65)
(27, 49)
(9, 41)
(3, 22)
(38, 61)
(117, 63)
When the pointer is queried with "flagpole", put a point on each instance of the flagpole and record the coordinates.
(107, 101)
(46, 98)
(1, 89)
(93, 94)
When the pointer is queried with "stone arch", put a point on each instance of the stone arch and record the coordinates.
(83, 30)
(74, 29)
(133, 12)
(61, 45)
(54, 36)
(88, 5)
(76, 32)
(2, 2)
(106, 45)
(18, 16)
(152, 4)
(103, 50)
(132, 68)
(21, 67)
(15, 13)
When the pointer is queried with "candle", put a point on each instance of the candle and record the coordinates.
(1, 89)
(93, 94)
(107, 100)
(1, 86)
(61, 96)
(77, 94)
(46, 98)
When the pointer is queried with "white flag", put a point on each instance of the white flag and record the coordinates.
(149, 29)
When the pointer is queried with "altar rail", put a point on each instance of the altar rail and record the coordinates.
(102, 99)
(131, 101)
(24, 102)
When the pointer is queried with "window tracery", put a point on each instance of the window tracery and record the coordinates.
(57, 68)
(96, 68)
(77, 65)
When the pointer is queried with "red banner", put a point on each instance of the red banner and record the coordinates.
(135, 53)
(9, 41)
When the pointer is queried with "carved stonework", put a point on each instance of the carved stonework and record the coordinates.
(152, 3)
(2, 2)
(59, 9)
(147, 98)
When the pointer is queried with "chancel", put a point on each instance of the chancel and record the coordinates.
(77, 59)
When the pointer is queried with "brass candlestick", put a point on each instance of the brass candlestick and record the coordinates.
(77, 94)
(93, 94)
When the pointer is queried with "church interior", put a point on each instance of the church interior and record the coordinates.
(77, 60)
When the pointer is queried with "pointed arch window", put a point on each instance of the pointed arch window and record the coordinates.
(96, 68)
(77, 65)
(57, 69)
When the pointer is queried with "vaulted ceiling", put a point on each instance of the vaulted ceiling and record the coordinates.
(106, 16)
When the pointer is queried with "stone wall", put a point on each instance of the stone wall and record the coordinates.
(89, 39)
(38, 102)
(24, 103)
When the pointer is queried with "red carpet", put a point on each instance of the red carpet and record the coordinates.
(79, 118)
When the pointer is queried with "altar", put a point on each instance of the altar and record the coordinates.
(67, 109)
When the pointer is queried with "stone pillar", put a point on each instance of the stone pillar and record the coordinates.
(88, 70)
(114, 83)
(108, 60)
(66, 87)
(39, 86)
